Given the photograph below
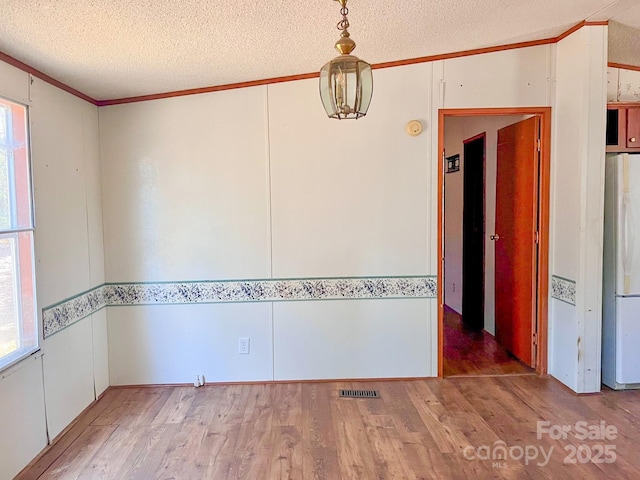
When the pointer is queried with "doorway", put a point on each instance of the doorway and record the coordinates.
(473, 228)
(492, 279)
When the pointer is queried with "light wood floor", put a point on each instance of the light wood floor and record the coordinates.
(420, 429)
(475, 353)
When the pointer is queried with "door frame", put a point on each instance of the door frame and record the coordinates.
(542, 282)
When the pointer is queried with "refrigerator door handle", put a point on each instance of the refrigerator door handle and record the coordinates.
(628, 240)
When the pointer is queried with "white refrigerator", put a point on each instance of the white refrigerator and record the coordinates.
(621, 281)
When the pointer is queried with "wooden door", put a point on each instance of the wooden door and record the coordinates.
(516, 226)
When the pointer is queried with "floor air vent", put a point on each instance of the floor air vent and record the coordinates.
(359, 394)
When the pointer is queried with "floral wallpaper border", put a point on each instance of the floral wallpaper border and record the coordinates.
(63, 314)
(563, 289)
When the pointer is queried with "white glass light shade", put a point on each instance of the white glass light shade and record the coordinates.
(346, 87)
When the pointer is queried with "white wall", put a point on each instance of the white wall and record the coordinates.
(186, 187)
(71, 368)
(510, 78)
(577, 206)
(69, 247)
(350, 198)
(173, 343)
(623, 85)
(269, 188)
(22, 415)
(352, 339)
(453, 214)
(186, 197)
(245, 184)
(457, 130)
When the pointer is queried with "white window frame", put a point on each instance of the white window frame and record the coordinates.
(15, 230)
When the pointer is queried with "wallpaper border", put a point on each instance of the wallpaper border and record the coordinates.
(563, 289)
(61, 315)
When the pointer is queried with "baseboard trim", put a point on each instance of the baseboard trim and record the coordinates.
(568, 389)
(275, 382)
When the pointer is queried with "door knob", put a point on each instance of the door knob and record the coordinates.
(632, 139)
(495, 237)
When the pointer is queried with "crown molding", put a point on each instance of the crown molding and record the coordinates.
(289, 78)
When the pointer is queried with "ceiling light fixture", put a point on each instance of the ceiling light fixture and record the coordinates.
(346, 82)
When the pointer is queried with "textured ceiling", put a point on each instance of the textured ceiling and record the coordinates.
(120, 48)
(624, 43)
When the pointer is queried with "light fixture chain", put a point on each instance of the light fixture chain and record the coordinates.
(344, 23)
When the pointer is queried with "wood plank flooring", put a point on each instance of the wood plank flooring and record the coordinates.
(475, 353)
(419, 429)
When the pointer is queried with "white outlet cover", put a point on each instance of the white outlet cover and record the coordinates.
(244, 345)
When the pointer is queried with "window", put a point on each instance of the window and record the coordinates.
(18, 321)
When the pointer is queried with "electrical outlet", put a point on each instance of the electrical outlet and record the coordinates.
(243, 345)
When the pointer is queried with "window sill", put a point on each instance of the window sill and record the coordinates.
(15, 365)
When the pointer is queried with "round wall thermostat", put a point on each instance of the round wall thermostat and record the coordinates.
(414, 128)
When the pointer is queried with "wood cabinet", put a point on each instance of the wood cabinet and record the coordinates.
(623, 128)
(633, 128)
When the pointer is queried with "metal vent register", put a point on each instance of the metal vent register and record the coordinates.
(359, 394)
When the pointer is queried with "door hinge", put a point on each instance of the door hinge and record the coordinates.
(537, 238)
(539, 145)
(535, 338)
